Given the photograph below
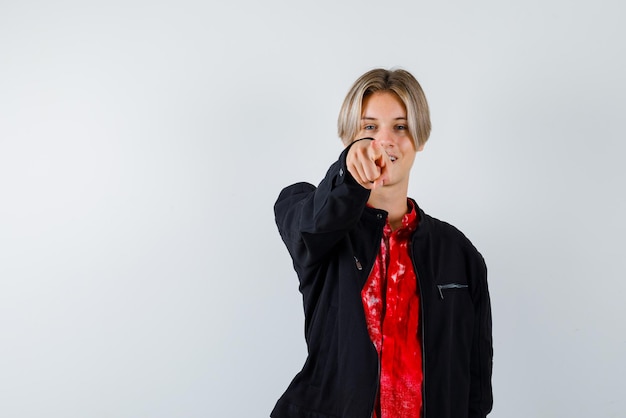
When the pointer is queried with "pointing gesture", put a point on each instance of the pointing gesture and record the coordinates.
(367, 161)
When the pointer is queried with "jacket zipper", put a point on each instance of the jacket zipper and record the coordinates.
(377, 385)
(422, 326)
(443, 287)
(359, 267)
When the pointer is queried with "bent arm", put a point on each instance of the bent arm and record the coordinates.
(311, 220)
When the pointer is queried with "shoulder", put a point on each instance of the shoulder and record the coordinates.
(442, 228)
(293, 193)
(446, 234)
(295, 189)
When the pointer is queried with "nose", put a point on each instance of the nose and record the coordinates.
(386, 137)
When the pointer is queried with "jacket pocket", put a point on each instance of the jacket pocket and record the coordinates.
(443, 288)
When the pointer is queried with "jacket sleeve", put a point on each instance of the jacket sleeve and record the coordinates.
(311, 220)
(481, 394)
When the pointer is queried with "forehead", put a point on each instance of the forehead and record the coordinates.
(383, 104)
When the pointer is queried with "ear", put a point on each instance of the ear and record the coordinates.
(420, 148)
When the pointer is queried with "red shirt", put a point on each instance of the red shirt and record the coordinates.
(391, 304)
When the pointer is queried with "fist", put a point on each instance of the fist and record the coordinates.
(368, 163)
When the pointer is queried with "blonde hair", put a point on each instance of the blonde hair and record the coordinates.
(398, 81)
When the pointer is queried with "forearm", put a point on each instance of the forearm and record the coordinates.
(312, 219)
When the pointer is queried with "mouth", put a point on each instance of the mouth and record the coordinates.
(393, 158)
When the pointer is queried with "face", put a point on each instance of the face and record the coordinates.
(384, 119)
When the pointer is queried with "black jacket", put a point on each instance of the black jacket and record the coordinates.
(333, 239)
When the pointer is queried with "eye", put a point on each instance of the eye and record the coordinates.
(402, 127)
(369, 127)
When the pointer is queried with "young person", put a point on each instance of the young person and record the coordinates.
(397, 310)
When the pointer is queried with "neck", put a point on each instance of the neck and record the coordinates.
(394, 202)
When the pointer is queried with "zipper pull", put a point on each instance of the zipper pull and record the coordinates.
(358, 264)
(443, 287)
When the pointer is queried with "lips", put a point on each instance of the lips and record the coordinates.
(393, 158)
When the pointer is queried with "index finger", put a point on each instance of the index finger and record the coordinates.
(377, 153)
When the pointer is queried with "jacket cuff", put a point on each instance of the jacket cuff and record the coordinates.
(344, 174)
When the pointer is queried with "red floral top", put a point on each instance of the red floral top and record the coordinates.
(391, 303)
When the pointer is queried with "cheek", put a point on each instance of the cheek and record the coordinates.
(408, 147)
(410, 155)
(363, 134)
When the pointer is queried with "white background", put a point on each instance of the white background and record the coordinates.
(143, 143)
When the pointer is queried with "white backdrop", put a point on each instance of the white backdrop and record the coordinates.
(142, 146)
